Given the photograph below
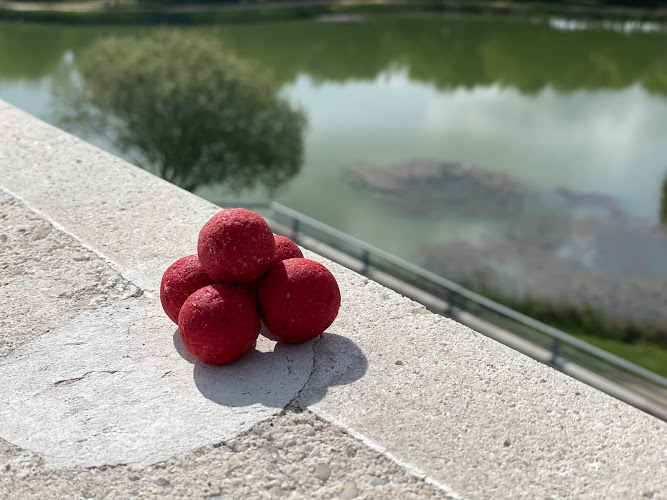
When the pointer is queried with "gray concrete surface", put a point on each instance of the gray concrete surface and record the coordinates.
(291, 456)
(652, 400)
(40, 267)
(408, 389)
(110, 373)
(481, 418)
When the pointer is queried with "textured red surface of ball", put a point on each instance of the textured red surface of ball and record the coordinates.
(236, 246)
(298, 299)
(182, 278)
(219, 324)
(252, 289)
(286, 249)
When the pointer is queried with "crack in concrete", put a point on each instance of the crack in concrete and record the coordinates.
(293, 403)
(136, 361)
(71, 381)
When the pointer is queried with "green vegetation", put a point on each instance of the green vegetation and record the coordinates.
(188, 108)
(425, 3)
(161, 16)
(645, 355)
(643, 344)
(153, 18)
(584, 320)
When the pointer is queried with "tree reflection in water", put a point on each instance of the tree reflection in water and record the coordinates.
(186, 109)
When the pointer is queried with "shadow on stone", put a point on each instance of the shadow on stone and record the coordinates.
(336, 361)
(277, 374)
(180, 348)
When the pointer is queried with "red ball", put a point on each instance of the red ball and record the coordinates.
(219, 324)
(298, 299)
(286, 249)
(236, 246)
(182, 278)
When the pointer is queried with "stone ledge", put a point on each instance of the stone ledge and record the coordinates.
(475, 418)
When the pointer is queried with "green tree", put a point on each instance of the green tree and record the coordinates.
(188, 109)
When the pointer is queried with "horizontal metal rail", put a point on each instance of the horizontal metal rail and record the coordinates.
(457, 297)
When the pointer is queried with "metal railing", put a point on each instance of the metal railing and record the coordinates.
(616, 376)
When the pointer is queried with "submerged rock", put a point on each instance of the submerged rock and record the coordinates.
(592, 201)
(612, 268)
(430, 187)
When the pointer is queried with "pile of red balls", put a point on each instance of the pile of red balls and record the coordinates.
(241, 275)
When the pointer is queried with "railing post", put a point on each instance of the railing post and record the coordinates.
(555, 349)
(366, 261)
(451, 304)
(295, 229)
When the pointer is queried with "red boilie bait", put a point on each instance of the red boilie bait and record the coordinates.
(286, 249)
(242, 272)
(236, 246)
(219, 324)
(183, 277)
(298, 299)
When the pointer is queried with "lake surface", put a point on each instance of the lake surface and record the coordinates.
(574, 114)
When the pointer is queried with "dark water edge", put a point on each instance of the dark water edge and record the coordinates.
(223, 13)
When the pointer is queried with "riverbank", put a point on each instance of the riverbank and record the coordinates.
(134, 12)
(594, 329)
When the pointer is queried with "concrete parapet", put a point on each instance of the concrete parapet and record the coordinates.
(99, 399)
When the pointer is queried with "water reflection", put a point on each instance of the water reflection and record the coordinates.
(460, 52)
(28, 52)
(560, 253)
(565, 129)
(604, 275)
(586, 262)
(185, 108)
(444, 51)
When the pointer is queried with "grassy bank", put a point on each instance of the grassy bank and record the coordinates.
(642, 344)
(211, 14)
(646, 355)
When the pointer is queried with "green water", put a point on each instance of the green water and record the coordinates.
(583, 109)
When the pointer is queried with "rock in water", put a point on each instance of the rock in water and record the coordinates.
(431, 187)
